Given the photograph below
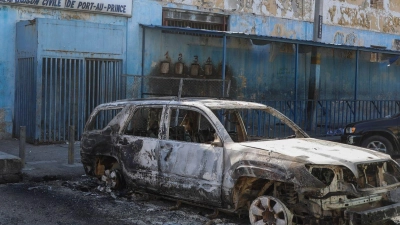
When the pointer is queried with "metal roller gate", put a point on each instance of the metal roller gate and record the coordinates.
(25, 96)
(63, 73)
(71, 89)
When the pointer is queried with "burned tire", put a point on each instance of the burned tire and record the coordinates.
(113, 179)
(269, 210)
(378, 143)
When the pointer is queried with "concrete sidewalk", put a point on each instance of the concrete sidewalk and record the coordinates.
(10, 168)
(46, 161)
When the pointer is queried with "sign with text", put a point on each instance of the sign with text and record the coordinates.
(118, 7)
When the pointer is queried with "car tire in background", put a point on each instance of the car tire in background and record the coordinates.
(378, 143)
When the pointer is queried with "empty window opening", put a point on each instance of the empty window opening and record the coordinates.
(195, 20)
(145, 122)
(376, 4)
(190, 126)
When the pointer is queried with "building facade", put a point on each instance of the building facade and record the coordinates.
(61, 58)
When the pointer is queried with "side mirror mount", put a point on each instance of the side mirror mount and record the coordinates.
(217, 141)
(111, 129)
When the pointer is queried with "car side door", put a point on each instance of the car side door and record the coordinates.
(138, 146)
(190, 163)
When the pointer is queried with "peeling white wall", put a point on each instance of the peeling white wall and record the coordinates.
(360, 14)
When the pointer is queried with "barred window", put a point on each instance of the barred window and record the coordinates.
(194, 19)
(376, 4)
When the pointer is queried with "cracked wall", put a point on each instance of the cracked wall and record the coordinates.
(380, 16)
(350, 22)
(293, 9)
(347, 22)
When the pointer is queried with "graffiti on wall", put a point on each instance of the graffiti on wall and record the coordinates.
(382, 16)
(379, 15)
(345, 39)
(294, 9)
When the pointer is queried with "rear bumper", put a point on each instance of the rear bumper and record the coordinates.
(375, 215)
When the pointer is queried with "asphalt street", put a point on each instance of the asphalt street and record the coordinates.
(55, 192)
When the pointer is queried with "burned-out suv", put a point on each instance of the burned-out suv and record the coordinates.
(240, 157)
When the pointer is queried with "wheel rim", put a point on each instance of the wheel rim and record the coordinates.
(112, 179)
(377, 146)
(267, 210)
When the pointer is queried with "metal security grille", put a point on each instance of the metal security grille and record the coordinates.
(195, 25)
(62, 98)
(103, 84)
(25, 97)
(194, 19)
(71, 88)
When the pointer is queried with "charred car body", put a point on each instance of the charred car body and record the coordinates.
(239, 157)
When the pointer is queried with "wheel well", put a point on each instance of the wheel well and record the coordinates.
(104, 163)
(383, 134)
(247, 189)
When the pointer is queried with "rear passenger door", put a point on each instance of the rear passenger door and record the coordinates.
(139, 145)
(190, 167)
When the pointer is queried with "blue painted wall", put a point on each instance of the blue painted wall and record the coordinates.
(258, 72)
(9, 17)
(266, 72)
(7, 70)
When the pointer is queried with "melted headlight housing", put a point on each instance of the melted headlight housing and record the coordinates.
(377, 174)
(323, 174)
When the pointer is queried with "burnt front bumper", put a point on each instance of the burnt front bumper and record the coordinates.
(374, 216)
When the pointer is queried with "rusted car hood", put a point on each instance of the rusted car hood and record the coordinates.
(320, 152)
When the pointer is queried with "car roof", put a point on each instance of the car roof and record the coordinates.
(212, 103)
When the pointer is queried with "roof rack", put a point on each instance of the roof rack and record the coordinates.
(172, 98)
(149, 98)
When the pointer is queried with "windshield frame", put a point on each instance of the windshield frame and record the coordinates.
(298, 132)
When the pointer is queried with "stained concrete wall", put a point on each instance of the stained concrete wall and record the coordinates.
(358, 18)
(9, 16)
(267, 72)
(258, 71)
(294, 9)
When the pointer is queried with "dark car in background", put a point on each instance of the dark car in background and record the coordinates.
(379, 134)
